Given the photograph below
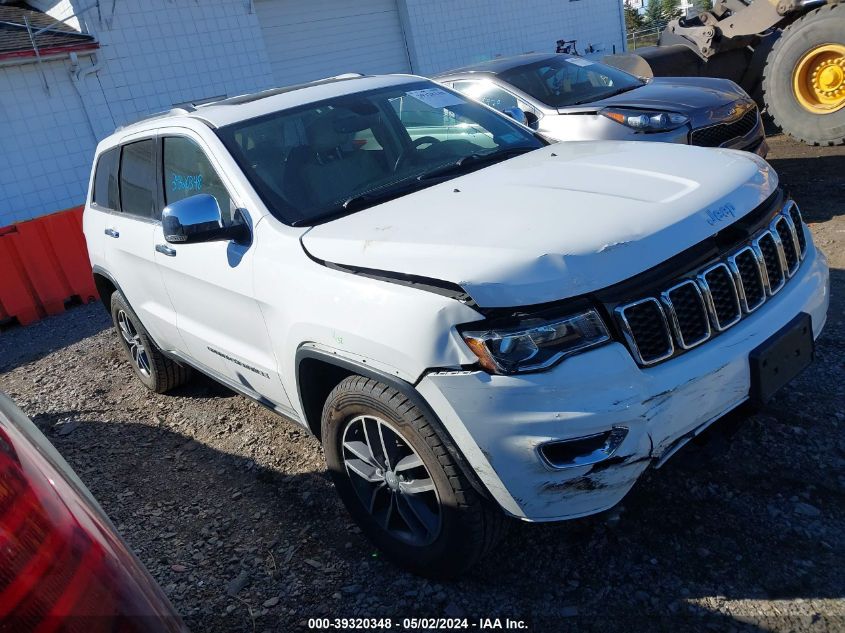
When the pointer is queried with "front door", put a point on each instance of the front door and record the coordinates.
(211, 283)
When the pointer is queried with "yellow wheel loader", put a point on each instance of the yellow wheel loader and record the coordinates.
(787, 54)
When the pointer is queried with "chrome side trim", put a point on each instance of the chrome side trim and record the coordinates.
(236, 386)
(708, 296)
(629, 335)
(666, 298)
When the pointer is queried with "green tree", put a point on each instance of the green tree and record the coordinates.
(670, 9)
(703, 5)
(658, 11)
(633, 19)
(654, 12)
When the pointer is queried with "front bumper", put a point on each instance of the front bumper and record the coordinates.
(499, 422)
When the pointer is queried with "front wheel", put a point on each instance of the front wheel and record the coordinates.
(400, 484)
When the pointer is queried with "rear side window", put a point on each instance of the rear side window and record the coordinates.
(105, 180)
(138, 178)
(188, 172)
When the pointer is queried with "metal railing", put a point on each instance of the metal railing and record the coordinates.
(645, 37)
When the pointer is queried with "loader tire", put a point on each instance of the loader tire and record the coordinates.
(810, 110)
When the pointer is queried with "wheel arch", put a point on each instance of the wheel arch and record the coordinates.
(318, 372)
(106, 286)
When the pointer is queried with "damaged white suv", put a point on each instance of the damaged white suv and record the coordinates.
(476, 324)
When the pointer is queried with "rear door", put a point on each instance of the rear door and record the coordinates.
(211, 283)
(128, 239)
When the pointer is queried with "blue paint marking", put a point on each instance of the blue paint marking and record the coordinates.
(186, 183)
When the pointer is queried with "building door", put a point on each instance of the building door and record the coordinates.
(312, 40)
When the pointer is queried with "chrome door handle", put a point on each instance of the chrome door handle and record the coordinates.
(112, 233)
(164, 249)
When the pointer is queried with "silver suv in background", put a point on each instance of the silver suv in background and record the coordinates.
(570, 98)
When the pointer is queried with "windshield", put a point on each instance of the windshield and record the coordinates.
(564, 81)
(339, 155)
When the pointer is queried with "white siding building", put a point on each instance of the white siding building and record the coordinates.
(145, 56)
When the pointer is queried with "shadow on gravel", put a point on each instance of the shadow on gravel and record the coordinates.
(202, 387)
(815, 182)
(20, 345)
(223, 535)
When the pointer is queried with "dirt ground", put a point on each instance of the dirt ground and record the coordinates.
(231, 510)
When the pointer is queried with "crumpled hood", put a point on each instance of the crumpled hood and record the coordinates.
(561, 221)
(685, 95)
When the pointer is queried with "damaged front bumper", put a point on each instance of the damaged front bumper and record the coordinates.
(500, 422)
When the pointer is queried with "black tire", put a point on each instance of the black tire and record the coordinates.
(468, 527)
(157, 372)
(822, 26)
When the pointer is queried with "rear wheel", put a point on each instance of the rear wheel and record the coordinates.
(157, 372)
(400, 483)
(804, 78)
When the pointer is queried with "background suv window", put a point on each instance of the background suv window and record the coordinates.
(138, 178)
(187, 172)
(105, 180)
(563, 81)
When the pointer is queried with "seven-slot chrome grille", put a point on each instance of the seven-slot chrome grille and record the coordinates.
(708, 301)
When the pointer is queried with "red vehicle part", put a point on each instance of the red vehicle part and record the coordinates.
(63, 567)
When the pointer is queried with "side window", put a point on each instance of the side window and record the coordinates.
(187, 172)
(105, 180)
(138, 178)
(488, 94)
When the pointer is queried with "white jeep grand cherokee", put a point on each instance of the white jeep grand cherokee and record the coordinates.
(475, 323)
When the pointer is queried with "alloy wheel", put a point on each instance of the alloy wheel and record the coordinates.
(391, 480)
(137, 350)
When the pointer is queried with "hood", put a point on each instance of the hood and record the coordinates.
(560, 221)
(685, 95)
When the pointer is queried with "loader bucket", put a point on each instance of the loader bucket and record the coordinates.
(658, 61)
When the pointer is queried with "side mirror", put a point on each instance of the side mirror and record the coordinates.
(517, 114)
(198, 219)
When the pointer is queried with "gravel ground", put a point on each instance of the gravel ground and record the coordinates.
(231, 510)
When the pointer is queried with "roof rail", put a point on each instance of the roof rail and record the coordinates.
(185, 107)
(191, 106)
(255, 96)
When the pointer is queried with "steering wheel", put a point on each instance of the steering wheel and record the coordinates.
(405, 154)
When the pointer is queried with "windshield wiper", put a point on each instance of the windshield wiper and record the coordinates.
(408, 185)
(474, 160)
(363, 200)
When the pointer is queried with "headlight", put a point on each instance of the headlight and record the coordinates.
(535, 344)
(646, 120)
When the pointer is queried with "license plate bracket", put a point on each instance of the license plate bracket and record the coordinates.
(781, 358)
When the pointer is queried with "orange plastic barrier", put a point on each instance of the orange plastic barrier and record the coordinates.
(43, 264)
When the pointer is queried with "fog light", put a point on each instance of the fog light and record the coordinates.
(583, 451)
